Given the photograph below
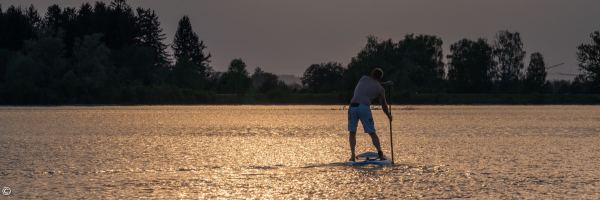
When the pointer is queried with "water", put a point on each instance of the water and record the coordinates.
(275, 152)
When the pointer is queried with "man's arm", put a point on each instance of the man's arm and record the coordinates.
(384, 107)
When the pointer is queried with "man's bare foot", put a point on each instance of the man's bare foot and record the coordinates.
(352, 159)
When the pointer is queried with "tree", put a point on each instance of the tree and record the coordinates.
(588, 56)
(122, 30)
(324, 77)
(151, 35)
(558, 86)
(19, 80)
(509, 53)
(271, 82)
(85, 20)
(257, 77)
(236, 79)
(41, 65)
(91, 61)
(64, 20)
(17, 25)
(471, 66)
(53, 17)
(211, 82)
(101, 21)
(186, 42)
(186, 74)
(117, 22)
(414, 62)
(34, 17)
(536, 73)
(375, 54)
(264, 81)
(5, 54)
(421, 65)
(90, 71)
(134, 64)
(48, 53)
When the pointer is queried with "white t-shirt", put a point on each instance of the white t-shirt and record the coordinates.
(366, 90)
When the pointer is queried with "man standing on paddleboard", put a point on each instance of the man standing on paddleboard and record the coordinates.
(367, 89)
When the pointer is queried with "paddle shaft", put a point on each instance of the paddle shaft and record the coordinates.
(390, 111)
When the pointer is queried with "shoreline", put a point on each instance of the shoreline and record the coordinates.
(275, 104)
(337, 99)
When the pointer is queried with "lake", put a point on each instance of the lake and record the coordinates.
(282, 152)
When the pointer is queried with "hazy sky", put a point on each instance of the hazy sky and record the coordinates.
(285, 37)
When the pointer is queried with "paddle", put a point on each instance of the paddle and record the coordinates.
(390, 110)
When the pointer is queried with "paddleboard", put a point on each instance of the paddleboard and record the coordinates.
(370, 158)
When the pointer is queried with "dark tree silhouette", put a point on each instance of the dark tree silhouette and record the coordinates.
(471, 66)
(134, 64)
(68, 21)
(186, 42)
(270, 83)
(53, 17)
(85, 21)
(257, 77)
(17, 25)
(324, 77)
(535, 78)
(509, 53)
(236, 79)
(151, 35)
(5, 54)
(34, 17)
(588, 56)
(41, 64)
(264, 81)
(186, 74)
(91, 61)
(101, 21)
(122, 28)
(414, 62)
(421, 65)
(375, 54)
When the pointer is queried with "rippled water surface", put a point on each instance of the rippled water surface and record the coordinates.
(275, 152)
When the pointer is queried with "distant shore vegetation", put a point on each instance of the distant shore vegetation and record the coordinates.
(111, 53)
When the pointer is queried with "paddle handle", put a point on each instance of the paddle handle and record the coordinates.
(390, 111)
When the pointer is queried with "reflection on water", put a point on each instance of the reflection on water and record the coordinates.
(297, 152)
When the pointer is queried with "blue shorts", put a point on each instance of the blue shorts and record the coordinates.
(362, 112)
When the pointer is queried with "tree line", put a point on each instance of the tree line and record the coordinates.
(415, 64)
(113, 53)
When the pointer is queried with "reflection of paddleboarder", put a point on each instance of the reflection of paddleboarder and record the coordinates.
(367, 89)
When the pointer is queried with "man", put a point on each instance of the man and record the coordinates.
(367, 89)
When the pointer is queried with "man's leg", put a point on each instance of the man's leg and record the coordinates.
(352, 125)
(375, 140)
(352, 139)
(366, 118)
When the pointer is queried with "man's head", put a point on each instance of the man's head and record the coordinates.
(377, 74)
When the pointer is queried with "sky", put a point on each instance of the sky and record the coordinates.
(286, 37)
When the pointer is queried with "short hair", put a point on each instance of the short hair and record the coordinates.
(377, 73)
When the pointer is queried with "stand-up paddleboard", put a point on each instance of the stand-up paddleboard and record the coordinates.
(370, 158)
